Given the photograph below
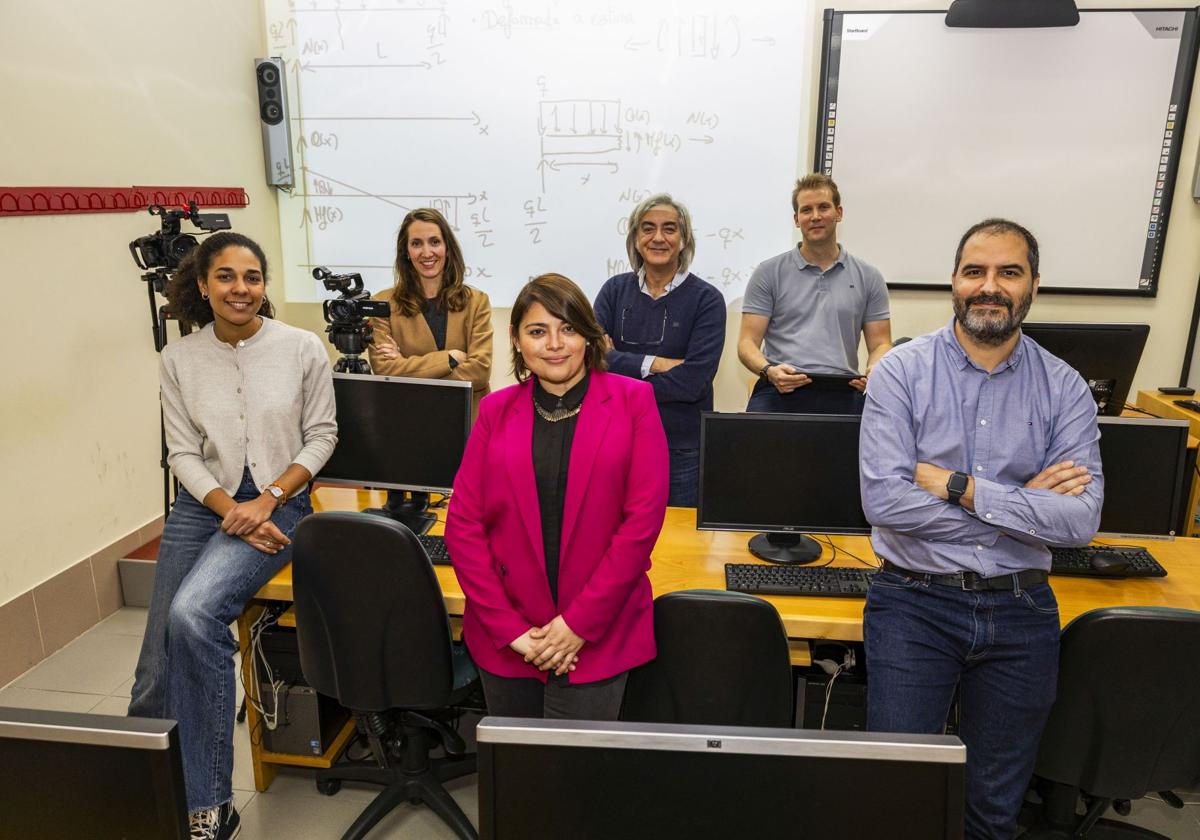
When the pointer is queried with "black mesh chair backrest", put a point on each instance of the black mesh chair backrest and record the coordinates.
(370, 619)
(1127, 717)
(722, 660)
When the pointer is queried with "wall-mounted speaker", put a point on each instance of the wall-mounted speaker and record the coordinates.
(276, 127)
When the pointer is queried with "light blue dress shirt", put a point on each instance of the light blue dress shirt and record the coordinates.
(928, 402)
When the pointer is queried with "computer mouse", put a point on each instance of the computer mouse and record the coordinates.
(1109, 564)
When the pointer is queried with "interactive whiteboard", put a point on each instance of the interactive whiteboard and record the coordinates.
(1073, 132)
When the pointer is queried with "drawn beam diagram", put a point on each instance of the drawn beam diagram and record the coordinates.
(535, 128)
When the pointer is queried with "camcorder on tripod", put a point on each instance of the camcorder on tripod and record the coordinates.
(348, 328)
(159, 254)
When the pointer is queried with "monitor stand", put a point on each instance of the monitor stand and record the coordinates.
(409, 509)
(792, 549)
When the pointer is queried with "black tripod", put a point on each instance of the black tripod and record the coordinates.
(156, 284)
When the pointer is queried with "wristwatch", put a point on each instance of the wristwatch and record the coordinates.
(956, 485)
(278, 492)
(762, 373)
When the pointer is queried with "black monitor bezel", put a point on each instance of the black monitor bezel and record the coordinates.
(773, 528)
(1135, 329)
(98, 738)
(384, 485)
(1178, 491)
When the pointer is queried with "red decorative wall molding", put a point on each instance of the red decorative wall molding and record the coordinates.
(43, 201)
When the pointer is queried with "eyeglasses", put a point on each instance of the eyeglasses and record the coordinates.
(662, 332)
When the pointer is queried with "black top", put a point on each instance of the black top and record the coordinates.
(436, 319)
(551, 457)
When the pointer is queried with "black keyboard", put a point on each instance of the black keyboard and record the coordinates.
(435, 547)
(822, 581)
(1104, 561)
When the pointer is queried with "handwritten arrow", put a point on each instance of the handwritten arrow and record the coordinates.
(631, 44)
(707, 138)
(423, 65)
(769, 41)
(612, 164)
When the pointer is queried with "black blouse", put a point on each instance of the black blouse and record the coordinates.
(551, 457)
(436, 319)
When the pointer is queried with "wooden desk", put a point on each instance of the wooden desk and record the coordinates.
(685, 558)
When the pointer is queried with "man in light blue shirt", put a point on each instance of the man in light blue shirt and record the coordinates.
(978, 450)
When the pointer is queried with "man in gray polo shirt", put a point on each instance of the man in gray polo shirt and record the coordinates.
(804, 311)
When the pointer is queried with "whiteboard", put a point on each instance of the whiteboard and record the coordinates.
(536, 128)
(1073, 132)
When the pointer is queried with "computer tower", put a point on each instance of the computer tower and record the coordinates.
(306, 722)
(847, 701)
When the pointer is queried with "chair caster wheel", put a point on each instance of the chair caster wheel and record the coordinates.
(329, 787)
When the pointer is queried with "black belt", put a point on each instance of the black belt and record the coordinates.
(972, 582)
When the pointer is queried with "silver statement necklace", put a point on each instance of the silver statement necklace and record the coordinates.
(559, 413)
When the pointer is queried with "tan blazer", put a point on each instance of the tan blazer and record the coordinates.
(469, 330)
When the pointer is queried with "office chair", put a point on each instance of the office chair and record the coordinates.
(373, 633)
(1124, 723)
(722, 660)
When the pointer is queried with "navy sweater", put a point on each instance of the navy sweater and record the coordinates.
(687, 323)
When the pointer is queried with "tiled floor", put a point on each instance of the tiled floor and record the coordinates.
(95, 673)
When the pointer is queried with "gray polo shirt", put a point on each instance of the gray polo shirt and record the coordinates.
(816, 316)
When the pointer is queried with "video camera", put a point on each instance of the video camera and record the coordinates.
(167, 248)
(349, 330)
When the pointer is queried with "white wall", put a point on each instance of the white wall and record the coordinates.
(128, 92)
(103, 94)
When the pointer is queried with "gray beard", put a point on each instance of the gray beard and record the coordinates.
(990, 330)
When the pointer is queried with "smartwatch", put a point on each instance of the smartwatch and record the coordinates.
(956, 485)
(762, 373)
(278, 492)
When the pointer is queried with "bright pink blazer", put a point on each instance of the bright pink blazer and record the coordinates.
(617, 483)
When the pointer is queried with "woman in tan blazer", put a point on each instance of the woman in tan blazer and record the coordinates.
(439, 327)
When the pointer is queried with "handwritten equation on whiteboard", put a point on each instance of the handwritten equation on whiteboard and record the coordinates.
(536, 128)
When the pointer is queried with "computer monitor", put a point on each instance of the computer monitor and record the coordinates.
(81, 775)
(591, 779)
(781, 474)
(1106, 355)
(1144, 484)
(398, 433)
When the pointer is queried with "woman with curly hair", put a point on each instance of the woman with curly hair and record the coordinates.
(439, 327)
(248, 411)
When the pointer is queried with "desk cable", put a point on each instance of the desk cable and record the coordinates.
(834, 670)
(825, 540)
(268, 619)
(1132, 407)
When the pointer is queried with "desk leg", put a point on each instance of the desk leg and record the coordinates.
(264, 773)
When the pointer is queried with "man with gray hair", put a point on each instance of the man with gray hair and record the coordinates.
(805, 310)
(667, 326)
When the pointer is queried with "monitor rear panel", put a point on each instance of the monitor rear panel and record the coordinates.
(399, 433)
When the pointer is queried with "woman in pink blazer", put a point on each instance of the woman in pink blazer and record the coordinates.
(556, 507)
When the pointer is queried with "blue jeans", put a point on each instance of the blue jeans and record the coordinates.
(685, 477)
(999, 649)
(185, 672)
(806, 400)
